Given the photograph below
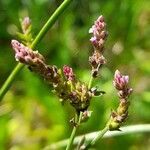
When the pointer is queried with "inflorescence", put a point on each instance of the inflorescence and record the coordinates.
(98, 40)
(65, 83)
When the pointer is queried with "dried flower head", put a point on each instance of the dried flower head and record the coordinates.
(96, 61)
(80, 97)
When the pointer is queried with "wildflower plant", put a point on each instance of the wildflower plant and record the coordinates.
(65, 84)
(68, 87)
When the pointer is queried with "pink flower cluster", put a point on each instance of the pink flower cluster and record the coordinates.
(99, 33)
(98, 39)
(25, 54)
(120, 115)
(68, 72)
(120, 82)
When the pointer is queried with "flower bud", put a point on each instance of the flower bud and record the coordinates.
(68, 72)
(86, 115)
(26, 55)
(26, 23)
(99, 34)
(120, 82)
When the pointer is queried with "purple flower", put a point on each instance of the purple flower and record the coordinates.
(26, 55)
(68, 72)
(120, 82)
(99, 33)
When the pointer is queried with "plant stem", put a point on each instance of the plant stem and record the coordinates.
(78, 120)
(99, 135)
(5, 87)
(90, 82)
(9, 80)
(50, 22)
(141, 128)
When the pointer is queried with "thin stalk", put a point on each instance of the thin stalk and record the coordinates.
(50, 22)
(140, 128)
(99, 135)
(90, 82)
(5, 87)
(70, 142)
(9, 80)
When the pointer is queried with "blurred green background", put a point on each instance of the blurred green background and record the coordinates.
(31, 117)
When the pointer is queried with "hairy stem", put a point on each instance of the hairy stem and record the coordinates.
(141, 128)
(78, 120)
(5, 87)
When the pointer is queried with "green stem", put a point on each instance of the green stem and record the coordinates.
(78, 120)
(90, 82)
(140, 128)
(5, 87)
(99, 135)
(9, 80)
(50, 22)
